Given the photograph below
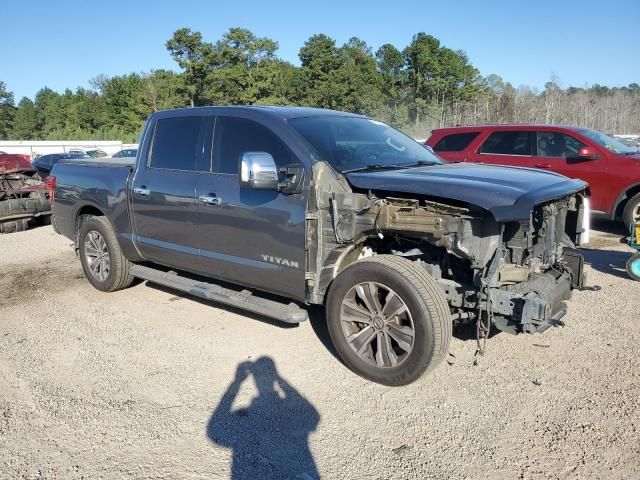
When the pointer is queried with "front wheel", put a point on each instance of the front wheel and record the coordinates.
(633, 266)
(388, 319)
(103, 262)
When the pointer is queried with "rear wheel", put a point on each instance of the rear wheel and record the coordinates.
(631, 212)
(388, 319)
(102, 260)
(633, 266)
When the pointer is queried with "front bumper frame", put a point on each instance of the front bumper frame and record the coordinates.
(531, 306)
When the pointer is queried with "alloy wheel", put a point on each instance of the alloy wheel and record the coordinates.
(377, 324)
(96, 255)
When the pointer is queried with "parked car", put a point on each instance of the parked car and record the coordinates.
(126, 153)
(630, 142)
(92, 152)
(24, 200)
(45, 163)
(292, 207)
(611, 168)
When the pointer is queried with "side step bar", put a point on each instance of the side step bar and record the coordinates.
(245, 300)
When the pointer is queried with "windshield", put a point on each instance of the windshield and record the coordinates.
(76, 155)
(611, 144)
(353, 143)
(97, 153)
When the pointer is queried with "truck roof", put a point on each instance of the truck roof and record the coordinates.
(284, 112)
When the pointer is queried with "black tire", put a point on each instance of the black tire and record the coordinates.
(118, 276)
(633, 204)
(425, 302)
(633, 266)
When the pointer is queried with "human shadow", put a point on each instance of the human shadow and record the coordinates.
(269, 438)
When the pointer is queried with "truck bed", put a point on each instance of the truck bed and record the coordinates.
(102, 162)
(86, 184)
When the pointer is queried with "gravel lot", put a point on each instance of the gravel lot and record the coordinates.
(144, 383)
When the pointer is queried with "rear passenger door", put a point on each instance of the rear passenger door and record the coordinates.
(163, 191)
(506, 147)
(250, 237)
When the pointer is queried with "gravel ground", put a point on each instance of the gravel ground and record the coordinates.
(144, 383)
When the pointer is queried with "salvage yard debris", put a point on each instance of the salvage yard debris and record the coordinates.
(24, 200)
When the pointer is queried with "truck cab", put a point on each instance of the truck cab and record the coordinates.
(191, 210)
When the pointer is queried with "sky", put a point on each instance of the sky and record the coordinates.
(64, 43)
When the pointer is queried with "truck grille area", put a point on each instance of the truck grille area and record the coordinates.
(539, 243)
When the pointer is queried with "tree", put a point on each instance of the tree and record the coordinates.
(394, 84)
(421, 57)
(25, 122)
(358, 78)
(320, 61)
(7, 111)
(164, 89)
(192, 54)
(244, 70)
(49, 112)
(391, 67)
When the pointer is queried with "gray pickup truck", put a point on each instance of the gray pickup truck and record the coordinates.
(273, 209)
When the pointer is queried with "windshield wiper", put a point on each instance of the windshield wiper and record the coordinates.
(419, 163)
(372, 166)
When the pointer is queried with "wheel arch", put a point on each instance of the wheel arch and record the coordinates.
(621, 201)
(86, 210)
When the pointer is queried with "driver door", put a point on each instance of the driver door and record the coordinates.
(246, 236)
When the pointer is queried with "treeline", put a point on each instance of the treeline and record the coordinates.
(423, 86)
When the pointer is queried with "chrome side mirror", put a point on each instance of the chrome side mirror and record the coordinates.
(258, 171)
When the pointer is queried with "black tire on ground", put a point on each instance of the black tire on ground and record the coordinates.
(633, 266)
(118, 276)
(633, 205)
(422, 297)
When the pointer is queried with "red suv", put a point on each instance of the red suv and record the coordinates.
(611, 168)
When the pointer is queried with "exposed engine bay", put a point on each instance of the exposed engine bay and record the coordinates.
(514, 275)
(23, 196)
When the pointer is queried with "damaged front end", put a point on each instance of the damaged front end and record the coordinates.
(23, 196)
(514, 275)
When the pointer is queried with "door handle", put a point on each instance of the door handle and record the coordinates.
(210, 200)
(141, 192)
(542, 165)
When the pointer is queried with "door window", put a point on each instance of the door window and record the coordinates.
(508, 143)
(175, 143)
(556, 144)
(455, 142)
(235, 136)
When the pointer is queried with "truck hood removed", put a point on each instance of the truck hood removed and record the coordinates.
(509, 193)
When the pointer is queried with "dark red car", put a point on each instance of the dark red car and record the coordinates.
(611, 168)
(24, 197)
